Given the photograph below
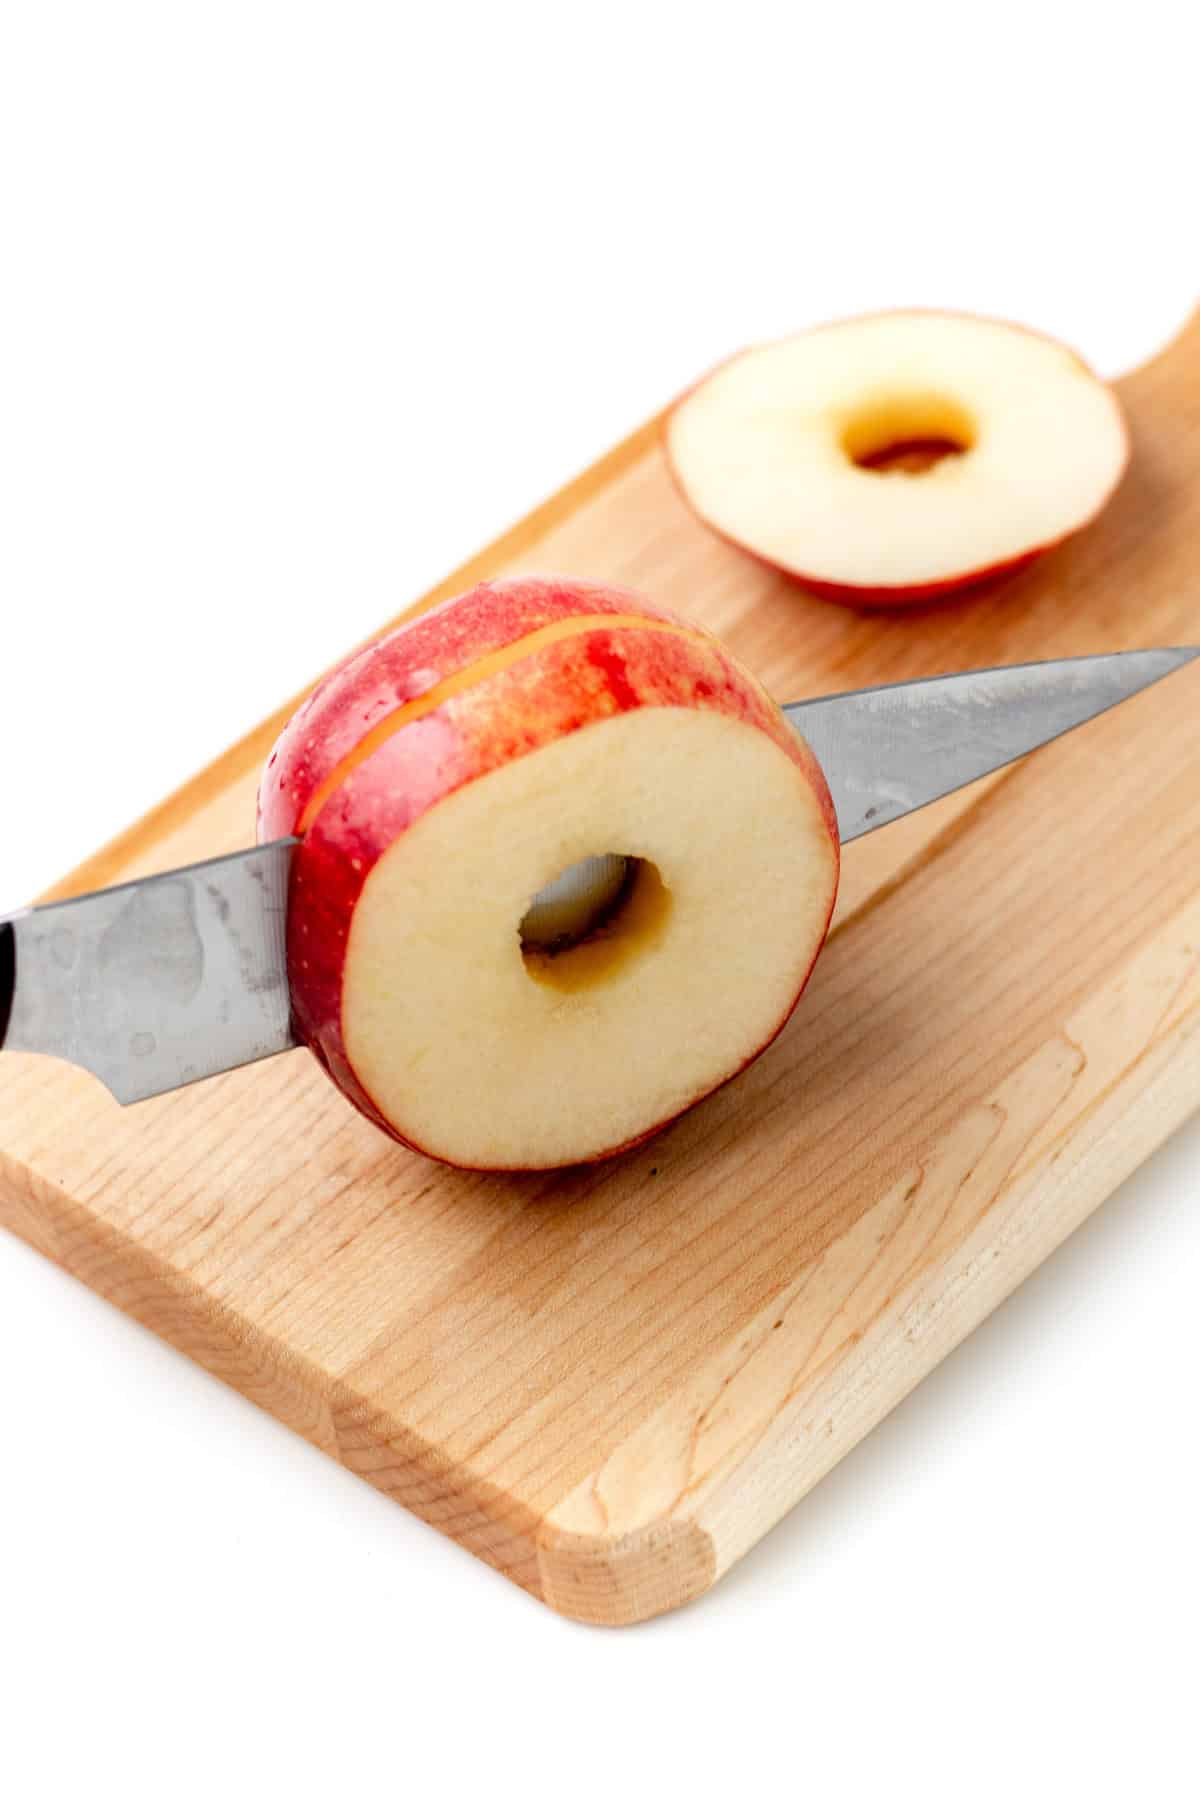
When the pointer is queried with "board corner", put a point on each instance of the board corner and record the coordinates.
(604, 1577)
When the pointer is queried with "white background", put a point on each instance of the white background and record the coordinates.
(298, 305)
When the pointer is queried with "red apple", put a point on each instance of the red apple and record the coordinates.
(460, 986)
(893, 459)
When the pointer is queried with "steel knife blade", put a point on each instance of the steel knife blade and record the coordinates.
(165, 981)
(888, 751)
(156, 983)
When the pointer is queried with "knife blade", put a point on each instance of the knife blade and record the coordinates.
(888, 751)
(156, 983)
(165, 981)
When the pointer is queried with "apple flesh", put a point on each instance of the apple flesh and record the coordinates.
(460, 986)
(893, 459)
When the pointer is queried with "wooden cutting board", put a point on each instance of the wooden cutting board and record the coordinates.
(610, 1383)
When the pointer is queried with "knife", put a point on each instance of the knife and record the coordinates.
(162, 982)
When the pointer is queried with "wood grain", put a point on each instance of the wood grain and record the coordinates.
(610, 1383)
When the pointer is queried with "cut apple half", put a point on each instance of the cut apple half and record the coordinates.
(486, 1050)
(897, 458)
(564, 869)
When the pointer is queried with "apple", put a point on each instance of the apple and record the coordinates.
(563, 869)
(892, 459)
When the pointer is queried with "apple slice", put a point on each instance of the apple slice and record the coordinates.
(896, 458)
(564, 870)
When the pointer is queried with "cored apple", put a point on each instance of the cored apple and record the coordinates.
(893, 459)
(563, 869)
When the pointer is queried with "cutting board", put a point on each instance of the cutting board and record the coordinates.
(610, 1383)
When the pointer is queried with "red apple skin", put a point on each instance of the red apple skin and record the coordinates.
(896, 599)
(520, 708)
(418, 655)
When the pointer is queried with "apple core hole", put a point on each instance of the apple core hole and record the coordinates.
(907, 434)
(592, 919)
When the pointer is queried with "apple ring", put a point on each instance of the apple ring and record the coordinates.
(448, 775)
(896, 458)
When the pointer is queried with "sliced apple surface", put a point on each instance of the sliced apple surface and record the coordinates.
(891, 459)
(486, 1051)
(548, 909)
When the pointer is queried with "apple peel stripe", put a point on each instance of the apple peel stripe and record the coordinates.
(469, 677)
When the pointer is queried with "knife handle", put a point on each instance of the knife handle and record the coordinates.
(8, 976)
